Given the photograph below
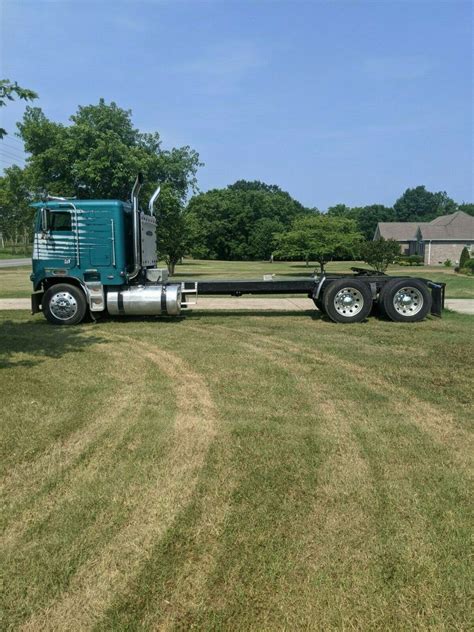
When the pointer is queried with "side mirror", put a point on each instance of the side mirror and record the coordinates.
(44, 220)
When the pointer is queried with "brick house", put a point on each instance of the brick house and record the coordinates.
(438, 240)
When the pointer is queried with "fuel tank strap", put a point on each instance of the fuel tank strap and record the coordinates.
(163, 300)
(120, 302)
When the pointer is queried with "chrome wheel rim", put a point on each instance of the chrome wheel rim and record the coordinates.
(348, 302)
(63, 306)
(408, 301)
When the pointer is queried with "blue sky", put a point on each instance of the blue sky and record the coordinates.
(335, 101)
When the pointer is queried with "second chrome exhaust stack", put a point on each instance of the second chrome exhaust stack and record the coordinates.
(136, 227)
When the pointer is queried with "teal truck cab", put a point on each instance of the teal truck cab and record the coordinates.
(99, 256)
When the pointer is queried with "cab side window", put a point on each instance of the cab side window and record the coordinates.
(60, 220)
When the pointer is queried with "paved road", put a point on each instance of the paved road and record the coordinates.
(14, 263)
(464, 306)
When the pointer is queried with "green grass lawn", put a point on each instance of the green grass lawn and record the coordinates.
(21, 254)
(14, 282)
(236, 472)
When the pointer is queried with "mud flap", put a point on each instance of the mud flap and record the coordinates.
(36, 300)
(437, 296)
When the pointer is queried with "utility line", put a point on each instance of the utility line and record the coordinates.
(13, 159)
(9, 163)
(12, 147)
(14, 139)
(8, 151)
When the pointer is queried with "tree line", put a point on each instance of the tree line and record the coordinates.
(99, 152)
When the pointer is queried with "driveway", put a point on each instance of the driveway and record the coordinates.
(461, 305)
(14, 263)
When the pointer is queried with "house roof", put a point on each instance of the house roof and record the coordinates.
(401, 231)
(458, 225)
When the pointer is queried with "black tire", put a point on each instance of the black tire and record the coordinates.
(411, 312)
(73, 310)
(355, 312)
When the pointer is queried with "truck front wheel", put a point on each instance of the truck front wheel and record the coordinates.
(347, 301)
(64, 304)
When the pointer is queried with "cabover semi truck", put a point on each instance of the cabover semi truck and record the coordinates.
(93, 257)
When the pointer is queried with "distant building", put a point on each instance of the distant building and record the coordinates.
(439, 240)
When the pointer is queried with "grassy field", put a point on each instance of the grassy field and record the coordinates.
(15, 283)
(21, 253)
(236, 472)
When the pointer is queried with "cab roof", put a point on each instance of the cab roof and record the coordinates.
(83, 204)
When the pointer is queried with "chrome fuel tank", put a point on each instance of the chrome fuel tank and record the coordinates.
(145, 300)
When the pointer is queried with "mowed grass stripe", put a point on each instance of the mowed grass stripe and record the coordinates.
(377, 404)
(320, 503)
(445, 427)
(88, 507)
(184, 564)
(70, 457)
(424, 519)
(345, 466)
(97, 582)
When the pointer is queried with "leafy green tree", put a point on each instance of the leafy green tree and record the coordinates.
(341, 210)
(418, 204)
(173, 229)
(262, 240)
(466, 208)
(8, 91)
(366, 217)
(16, 216)
(100, 153)
(321, 238)
(239, 222)
(464, 258)
(380, 253)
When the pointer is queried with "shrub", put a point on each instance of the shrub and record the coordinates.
(410, 260)
(464, 258)
(469, 267)
(380, 253)
(448, 263)
(415, 260)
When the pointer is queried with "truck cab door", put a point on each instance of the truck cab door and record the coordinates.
(57, 244)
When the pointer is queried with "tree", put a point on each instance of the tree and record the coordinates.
(466, 208)
(418, 204)
(464, 258)
(262, 240)
(319, 237)
(8, 91)
(16, 216)
(173, 229)
(239, 222)
(100, 153)
(380, 253)
(366, 217)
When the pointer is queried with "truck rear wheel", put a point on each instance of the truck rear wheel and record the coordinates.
(347, 301)
(405, 300)
(64, 304)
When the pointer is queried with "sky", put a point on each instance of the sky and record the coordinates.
(334, 101)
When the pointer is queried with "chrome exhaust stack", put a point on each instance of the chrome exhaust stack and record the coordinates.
(153, 200)
(136, 227)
